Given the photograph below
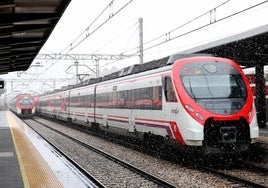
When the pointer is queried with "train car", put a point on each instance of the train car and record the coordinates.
(250, 74)
(197, 101)
(23, 105)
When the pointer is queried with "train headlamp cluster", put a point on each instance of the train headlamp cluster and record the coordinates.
(189, 108)
(197, 114)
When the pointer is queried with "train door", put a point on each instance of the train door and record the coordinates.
(126, 105)
(94, 103)
(68, 104)
(170, 107)
(131, 127)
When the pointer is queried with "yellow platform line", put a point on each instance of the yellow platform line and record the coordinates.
(34, 169)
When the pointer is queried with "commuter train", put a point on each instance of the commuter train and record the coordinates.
(23, 105)
(191, 100)
(250, 74)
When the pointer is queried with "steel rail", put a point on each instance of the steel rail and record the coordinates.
(147, 175)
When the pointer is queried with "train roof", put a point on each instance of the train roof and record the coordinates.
(133, 69)
(22, 94)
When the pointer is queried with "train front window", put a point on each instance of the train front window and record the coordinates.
(214, 86)
(217, 87)
(26, 102)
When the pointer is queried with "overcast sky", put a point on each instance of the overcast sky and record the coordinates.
(121, 32)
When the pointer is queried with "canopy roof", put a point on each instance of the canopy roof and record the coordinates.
(25, 25)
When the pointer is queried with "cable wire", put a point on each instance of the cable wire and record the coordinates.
(111, 15)
(97, 28)
(194, 30)
(168, 39)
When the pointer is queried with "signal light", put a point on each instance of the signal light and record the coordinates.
(190, 108)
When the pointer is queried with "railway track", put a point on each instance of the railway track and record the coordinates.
(129, 170)
(248, 178)
(259, 175)
(66, 156)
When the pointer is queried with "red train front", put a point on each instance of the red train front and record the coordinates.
(23, 105)
(218, 101)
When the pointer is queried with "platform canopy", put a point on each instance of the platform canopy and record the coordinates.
(25, 25)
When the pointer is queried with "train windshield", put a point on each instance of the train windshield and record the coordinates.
(214, 85)
(26, 102)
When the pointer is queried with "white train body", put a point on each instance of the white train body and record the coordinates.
(156, 102)
(23, 105)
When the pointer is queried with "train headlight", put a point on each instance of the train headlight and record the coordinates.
(189, 108)
(199, 116)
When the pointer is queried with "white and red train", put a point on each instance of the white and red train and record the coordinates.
(251, 79)
(190, 100)
(23, 105)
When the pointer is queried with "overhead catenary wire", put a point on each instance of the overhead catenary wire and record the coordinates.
(119, 36)
(87, 34)
(167, 34)
(87, 28)
(206, 25)
(168, 38)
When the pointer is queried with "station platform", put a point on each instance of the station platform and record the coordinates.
(26, 160)
(263, 138)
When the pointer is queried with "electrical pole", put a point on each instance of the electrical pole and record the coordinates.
(76, 68)
(141, 39)
(97, 67)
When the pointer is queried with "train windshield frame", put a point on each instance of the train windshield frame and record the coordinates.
(26, 102)
(216, 86)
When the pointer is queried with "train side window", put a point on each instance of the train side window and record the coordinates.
(169, 90)
(157, 97)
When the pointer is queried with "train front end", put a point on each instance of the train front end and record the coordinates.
(217, 104)
(26, 106)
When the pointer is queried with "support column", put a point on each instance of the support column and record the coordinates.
(260, 100)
